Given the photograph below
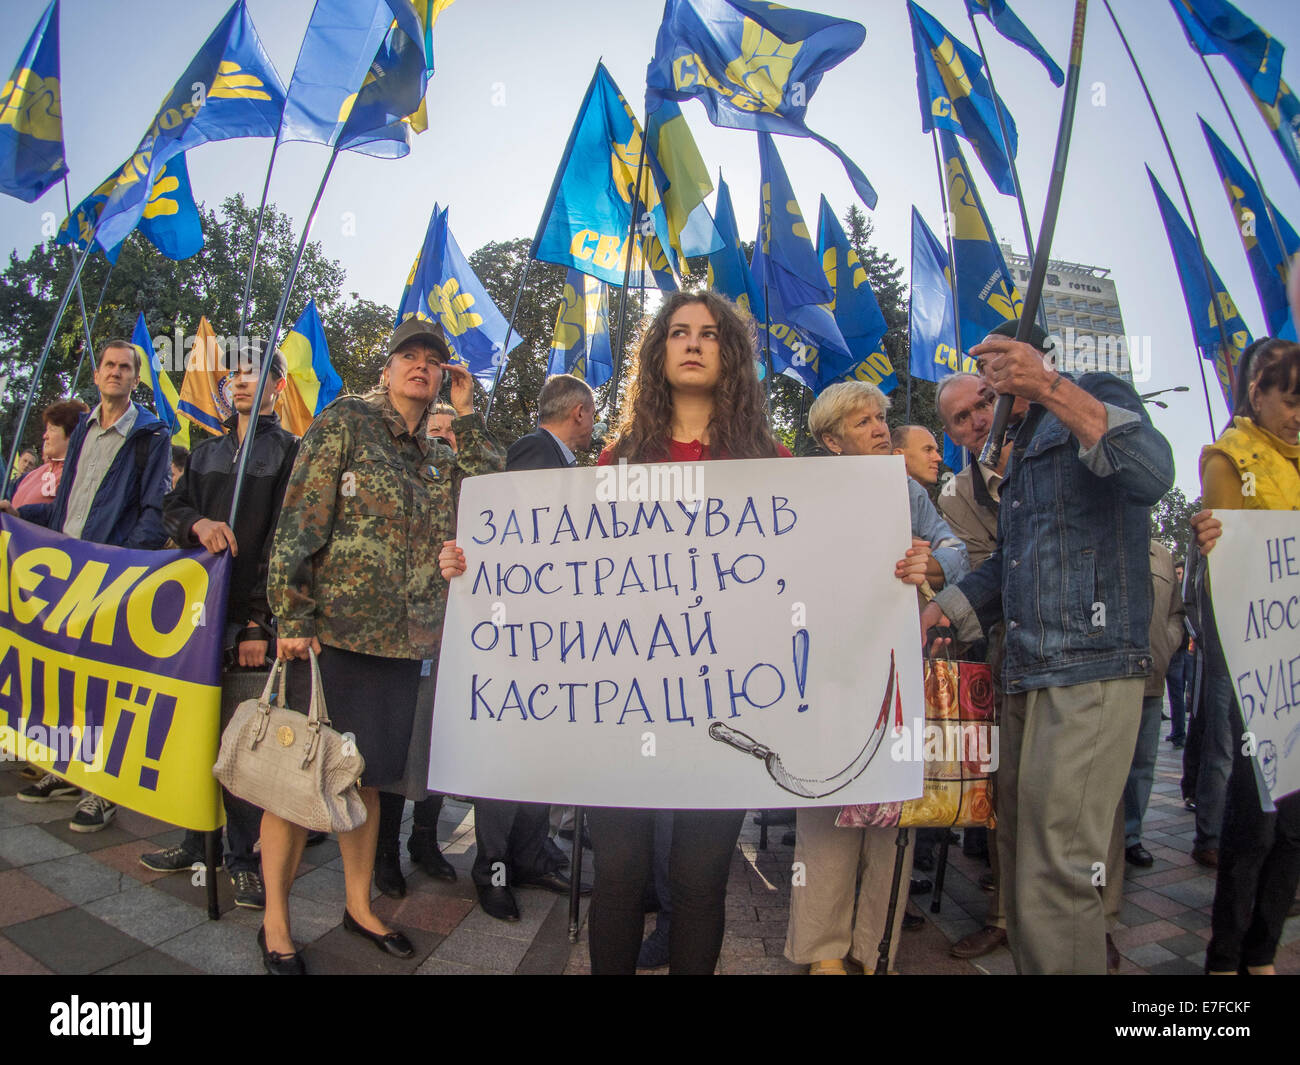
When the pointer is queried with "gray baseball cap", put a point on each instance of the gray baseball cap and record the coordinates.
(421, 329)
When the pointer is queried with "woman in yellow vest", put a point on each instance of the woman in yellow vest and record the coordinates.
(1254, 465)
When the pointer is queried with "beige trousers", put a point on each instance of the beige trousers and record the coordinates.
(824, 923)
(1066, 753)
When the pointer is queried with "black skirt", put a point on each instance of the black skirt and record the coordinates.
(370, 697)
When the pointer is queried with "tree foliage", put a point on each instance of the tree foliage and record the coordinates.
(1170, 521)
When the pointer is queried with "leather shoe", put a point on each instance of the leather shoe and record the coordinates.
(393, 943)
(1208, 857)
(388, 875)
(1112, 956)
(984, 941)
(553, 881)
(279, 964)
(920, 886)
(498, 902)
(1138, 855)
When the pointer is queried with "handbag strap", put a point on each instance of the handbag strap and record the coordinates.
(317, 714)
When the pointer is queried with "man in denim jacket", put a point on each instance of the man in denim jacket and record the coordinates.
(1071, 579)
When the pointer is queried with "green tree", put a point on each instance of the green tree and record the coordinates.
(1170, 520)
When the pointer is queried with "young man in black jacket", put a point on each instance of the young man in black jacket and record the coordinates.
(196, 512)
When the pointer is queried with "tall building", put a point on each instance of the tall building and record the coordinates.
(1083, 314)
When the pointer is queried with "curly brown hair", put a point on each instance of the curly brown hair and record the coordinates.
(738, 426)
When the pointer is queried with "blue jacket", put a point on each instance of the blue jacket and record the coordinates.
(127, 509)
(1071, 574)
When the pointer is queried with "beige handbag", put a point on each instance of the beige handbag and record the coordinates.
(292, 765)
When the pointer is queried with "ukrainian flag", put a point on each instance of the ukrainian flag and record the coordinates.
(31, 116)
(154, 378)
(312, 381)
(580, 344)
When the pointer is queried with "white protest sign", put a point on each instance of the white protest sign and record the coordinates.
(1255, 589)
(716, 635)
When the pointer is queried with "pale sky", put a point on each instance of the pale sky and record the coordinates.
(511, 74)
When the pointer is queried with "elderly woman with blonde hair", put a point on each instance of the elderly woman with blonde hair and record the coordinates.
(826, 926)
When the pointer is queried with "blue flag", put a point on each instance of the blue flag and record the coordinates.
(311, 382)
(1215, 27)
(230, 89)
(31, 116)
(154, 378)
(588, 214)
(388, 107)
(955, 96)
(955, 456)
(580, 344)
(446, 290)
(690, 228)
(794, 276)
(753, 65)
(728, 271)
(853, 303)
(1283, 118)
(986, 294)
(1204, 308)
(932, 335)
(807, 351)
(1268, 262)
(170, 220)
(1006, 23)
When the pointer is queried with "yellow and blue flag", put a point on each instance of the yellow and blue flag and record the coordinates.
(205, 390)
(853, 303)
(1268, 262)
(443, 288)
(753, 65)
(580, 344)
(588, 214)
(154, 377)
(312, 383)
(728, 272)
(955, 96)
(1006, 23)
(932, 333)
(986, 294)
(31, 116)
(1283, 118)
(690, 228)
(230, 89)
(170, 220)
(1203, 307)
(1215, 27)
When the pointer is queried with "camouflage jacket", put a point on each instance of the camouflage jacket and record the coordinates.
(355, 558)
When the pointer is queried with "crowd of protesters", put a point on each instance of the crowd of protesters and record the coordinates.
(342, 548)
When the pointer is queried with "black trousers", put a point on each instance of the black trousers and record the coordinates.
(1259, 868)
(698, 864)
(390, 819)
(510, 836)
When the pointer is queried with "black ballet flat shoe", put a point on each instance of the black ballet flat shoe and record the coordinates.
(278, 964)
(393, 943)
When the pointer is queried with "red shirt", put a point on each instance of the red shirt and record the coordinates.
(679, 451)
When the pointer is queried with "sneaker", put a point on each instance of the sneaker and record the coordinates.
(173, 860)
(249, 891)
(50, 789)
(93, 814)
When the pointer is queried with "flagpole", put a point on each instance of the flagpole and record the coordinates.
(1250, 162)
(78, 266)
(1216, 310)
(767, 346)
(93, 319)
(1006, 147)
(257, 238)
(952, 261)
(992, 451)
(264, 371)
(505, 346)
(81, 299)
(627, 266)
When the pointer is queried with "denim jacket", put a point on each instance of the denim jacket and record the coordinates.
(1071, 575)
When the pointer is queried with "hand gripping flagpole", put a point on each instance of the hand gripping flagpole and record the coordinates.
(1006, 148)
(268, 353)
(992, 452)
(1215, 310)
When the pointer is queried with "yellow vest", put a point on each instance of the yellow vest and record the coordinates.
(1274, 464)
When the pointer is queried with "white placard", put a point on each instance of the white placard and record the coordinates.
(1255, 589)
(716, 635)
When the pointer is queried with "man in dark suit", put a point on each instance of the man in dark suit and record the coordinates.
(511, 836)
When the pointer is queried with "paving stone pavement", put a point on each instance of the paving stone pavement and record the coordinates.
(82, 903)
